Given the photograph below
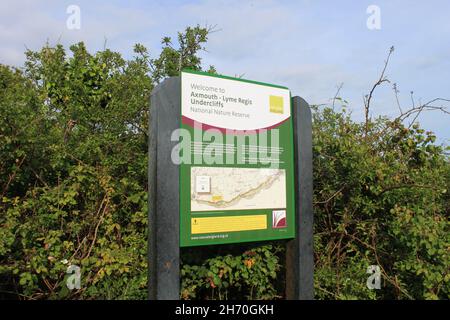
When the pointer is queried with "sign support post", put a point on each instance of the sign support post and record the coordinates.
(164, 198)
(299, 251)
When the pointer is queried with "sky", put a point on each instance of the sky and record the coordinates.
(312, 47)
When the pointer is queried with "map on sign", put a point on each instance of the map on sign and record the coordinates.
(222, 188)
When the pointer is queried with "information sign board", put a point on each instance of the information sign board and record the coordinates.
(236, 161)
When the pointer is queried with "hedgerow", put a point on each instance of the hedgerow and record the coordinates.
(73, 183)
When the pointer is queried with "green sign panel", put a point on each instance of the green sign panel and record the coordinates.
(236, 160)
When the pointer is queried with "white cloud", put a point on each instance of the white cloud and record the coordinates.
(27, 24)
(308, 46)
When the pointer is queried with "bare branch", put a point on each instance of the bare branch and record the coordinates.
(331, 198)
(396, 92)
(380, 81)
(412, 99)
(428, 106)
(337, 93)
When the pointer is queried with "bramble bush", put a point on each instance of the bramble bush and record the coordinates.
(73, 184)
(381, 198)
(73, 172)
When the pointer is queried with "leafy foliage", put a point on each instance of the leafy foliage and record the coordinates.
(231, 274)
(73, 184)
(73, 170)
(381, 198)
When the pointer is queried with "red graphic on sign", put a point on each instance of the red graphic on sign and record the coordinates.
(279, 219)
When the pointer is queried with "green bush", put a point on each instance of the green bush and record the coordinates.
(73, 169)
(381, 198)
(231, 272)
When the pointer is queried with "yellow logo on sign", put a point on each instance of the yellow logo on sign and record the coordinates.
(276, 104)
